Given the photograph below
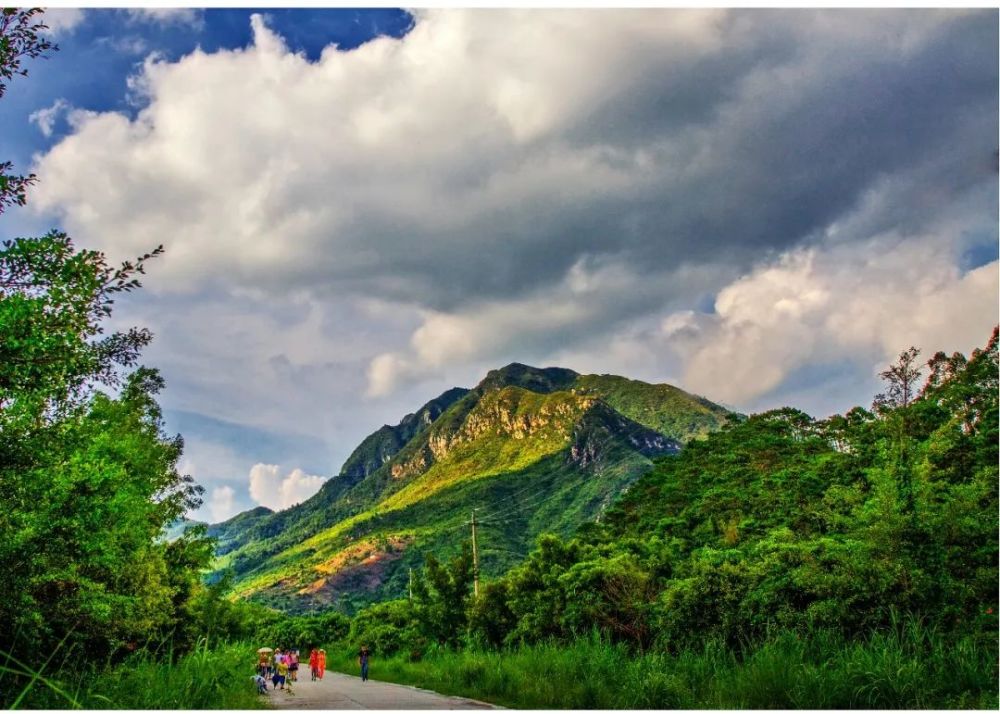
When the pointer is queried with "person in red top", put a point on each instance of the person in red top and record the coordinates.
(314, 664)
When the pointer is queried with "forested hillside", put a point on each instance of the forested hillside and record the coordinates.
(531, 450)
(857, 548)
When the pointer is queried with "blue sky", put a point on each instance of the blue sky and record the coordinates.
(763, 207)
(99, 52)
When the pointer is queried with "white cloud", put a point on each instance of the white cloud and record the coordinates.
(128, 45)
(400, 113)
(222, 506)
(527, 185)
(166, 15)
(490, 333)
(46, 118)
(269, 487)
(63, 20)
(485, 152)
(862, 303)
(386, 371)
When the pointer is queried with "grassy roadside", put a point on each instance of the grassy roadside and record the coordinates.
(912, 669)
(217, 678)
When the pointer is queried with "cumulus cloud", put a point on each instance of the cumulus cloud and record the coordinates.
(591, 293)
(270, 487)
(222, 506)
(817, 307)
(544, 186)
(638, 134)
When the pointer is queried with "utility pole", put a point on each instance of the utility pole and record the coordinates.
(411, 585)
(475, 557)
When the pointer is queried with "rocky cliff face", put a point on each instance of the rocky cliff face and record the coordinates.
(378, 448)
(603, 431)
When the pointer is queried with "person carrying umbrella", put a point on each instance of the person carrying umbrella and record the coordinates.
(263, 661)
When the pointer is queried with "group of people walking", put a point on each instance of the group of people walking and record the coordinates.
(317, 663)
(283, 667)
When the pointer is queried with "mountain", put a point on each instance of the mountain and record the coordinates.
(532, 450)
(381, 446)
(326, 506)
(230, 531)
(176, 528)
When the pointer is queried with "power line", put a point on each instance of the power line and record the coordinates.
(530, 487)
(503, 550)
(496, 518)
(538, 488)
(500, 517)
(539, 496)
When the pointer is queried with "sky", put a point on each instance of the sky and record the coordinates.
(363, 208)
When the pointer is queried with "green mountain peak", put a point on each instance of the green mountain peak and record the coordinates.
(515, 374)
(533, 449)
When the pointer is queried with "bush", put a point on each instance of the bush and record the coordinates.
(909, 666)
(387, 628)
(205, 678)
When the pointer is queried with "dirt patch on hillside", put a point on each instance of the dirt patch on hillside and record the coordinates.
(358, 568)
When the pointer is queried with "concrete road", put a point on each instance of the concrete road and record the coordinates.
(341, 691)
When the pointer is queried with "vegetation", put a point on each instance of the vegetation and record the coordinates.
(561, 445)
(88, 477)
(909, 667)
(661, 407)
(21, 38)
(780, 561)
(204, 678)
(781, 540)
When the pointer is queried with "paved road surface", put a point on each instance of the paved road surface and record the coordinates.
(340, 691)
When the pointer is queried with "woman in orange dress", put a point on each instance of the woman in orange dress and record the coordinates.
(322, 663)
(314, 664)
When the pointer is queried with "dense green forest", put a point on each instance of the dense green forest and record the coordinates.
(780, 561)
(780, 521)
(840, 555)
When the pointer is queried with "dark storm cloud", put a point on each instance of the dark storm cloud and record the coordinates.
(753, 148)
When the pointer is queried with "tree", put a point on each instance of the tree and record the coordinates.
(893, 404)
(441, 595)
(21, 37)
(385, 627)
(54, 301)
(88, 476)
(901, 379)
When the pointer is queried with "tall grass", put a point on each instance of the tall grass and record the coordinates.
(207, 678)
(910, 667)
